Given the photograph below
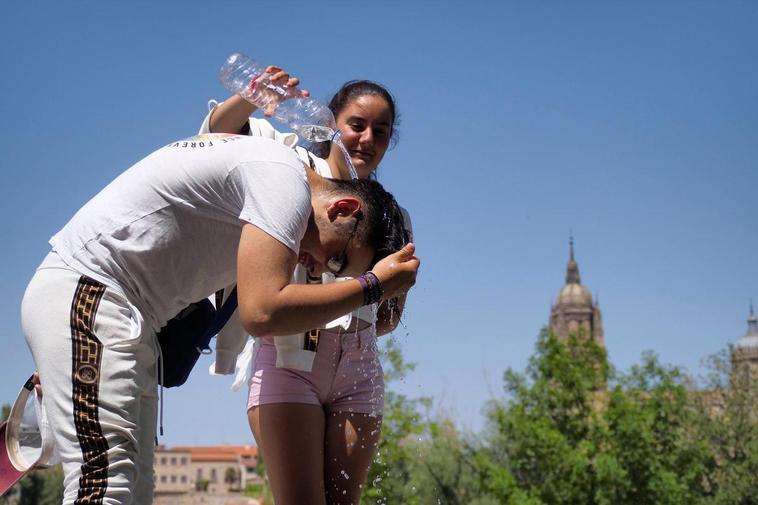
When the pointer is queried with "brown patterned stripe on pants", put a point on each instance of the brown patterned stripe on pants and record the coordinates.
(87, 357)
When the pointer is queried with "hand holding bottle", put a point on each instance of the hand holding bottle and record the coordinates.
(268, 91)
(275, 85)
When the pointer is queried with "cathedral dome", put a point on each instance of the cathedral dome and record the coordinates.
(573, 295)
(574, 311)
(750, 340)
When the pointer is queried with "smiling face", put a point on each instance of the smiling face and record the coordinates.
(366, 126)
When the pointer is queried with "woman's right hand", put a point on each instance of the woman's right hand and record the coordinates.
(280, 77)
(232, 114)
(397, 272)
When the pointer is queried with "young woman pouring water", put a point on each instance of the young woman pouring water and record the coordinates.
(315, 401)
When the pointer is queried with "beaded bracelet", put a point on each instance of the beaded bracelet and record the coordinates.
(372, 288)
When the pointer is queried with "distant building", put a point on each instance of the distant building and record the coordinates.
(574, 310)
(744, 376)
(745, 355)
(173, 471)
(219, 469)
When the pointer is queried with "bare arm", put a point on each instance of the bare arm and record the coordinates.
(231, 115)
(270, 305)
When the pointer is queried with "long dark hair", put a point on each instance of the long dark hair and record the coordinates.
(349, 92)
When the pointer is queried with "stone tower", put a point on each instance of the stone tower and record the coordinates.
(746, 350)
(574, 309)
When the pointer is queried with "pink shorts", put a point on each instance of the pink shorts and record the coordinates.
(346, 375)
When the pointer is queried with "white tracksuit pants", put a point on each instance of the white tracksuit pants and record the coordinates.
(97, 370)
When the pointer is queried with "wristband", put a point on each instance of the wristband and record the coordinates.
(375, 286)
(364, 287)
(372, 288)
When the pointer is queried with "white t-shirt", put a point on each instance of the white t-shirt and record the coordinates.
(166, 231)
(290, 352)
(262, 128)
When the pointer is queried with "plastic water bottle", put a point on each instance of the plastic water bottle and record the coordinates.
(312, 120)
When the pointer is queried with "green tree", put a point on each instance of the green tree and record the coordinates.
(263, 489)
(563, 437)
(728, 427)
(42, 487)
(232, 477)
(541, 438)
(31, 489)
(650, 450)
(390, 475)
(52, 486)
(446, 470)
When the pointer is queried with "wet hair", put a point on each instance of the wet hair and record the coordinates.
(349, 92)
(382, 224)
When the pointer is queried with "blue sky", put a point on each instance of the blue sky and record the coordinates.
(633, 125)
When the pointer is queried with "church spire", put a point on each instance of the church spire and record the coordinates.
(752, 323)
(573, 311)
(571, 247)
(572, 270)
